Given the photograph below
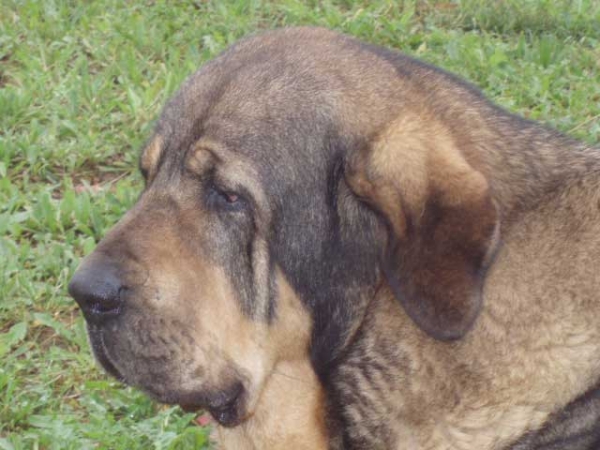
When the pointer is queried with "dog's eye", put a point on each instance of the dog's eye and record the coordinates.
(225, 199)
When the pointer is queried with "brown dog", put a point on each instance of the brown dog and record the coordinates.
(341, 247)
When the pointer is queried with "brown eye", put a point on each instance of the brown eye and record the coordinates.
(230, 197)
(225, 200)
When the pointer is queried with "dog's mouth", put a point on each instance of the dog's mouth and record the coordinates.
(226, 406)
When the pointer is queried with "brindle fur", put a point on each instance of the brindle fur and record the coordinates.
(380, 256)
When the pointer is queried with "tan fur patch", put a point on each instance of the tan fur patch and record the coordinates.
(290, 411)
(290, 414)
(151, 156)
(412, 157)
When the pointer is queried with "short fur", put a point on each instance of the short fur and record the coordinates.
(367, 249)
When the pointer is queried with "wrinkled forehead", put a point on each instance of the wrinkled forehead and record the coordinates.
(280, 147)
(255, 77)
(244, 107)
(269, 128)
(282, 100)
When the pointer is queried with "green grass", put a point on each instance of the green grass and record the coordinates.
(81, 83)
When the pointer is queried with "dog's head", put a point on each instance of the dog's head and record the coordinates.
(285, 182)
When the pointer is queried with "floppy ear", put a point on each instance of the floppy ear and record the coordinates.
(442, 222)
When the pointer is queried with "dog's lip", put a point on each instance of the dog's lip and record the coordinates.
(225, 406)
(190, 408)
(96, 338)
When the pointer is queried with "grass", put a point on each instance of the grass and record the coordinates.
(81, 83)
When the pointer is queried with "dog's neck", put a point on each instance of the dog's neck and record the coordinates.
(382, 389)
(511, 161)
(398, 388)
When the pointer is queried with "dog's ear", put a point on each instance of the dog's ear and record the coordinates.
(442, 222)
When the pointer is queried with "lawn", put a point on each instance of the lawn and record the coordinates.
(80, 85)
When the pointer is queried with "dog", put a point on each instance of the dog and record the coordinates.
(341, 247)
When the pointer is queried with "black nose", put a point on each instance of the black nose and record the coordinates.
(96, 287)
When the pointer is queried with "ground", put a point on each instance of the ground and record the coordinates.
(80, 85)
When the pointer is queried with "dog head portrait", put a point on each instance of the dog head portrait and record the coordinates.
(338, 246)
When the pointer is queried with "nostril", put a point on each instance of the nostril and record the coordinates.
(105, 306)
(98, 292)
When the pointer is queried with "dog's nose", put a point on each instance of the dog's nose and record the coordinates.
(97, 289)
